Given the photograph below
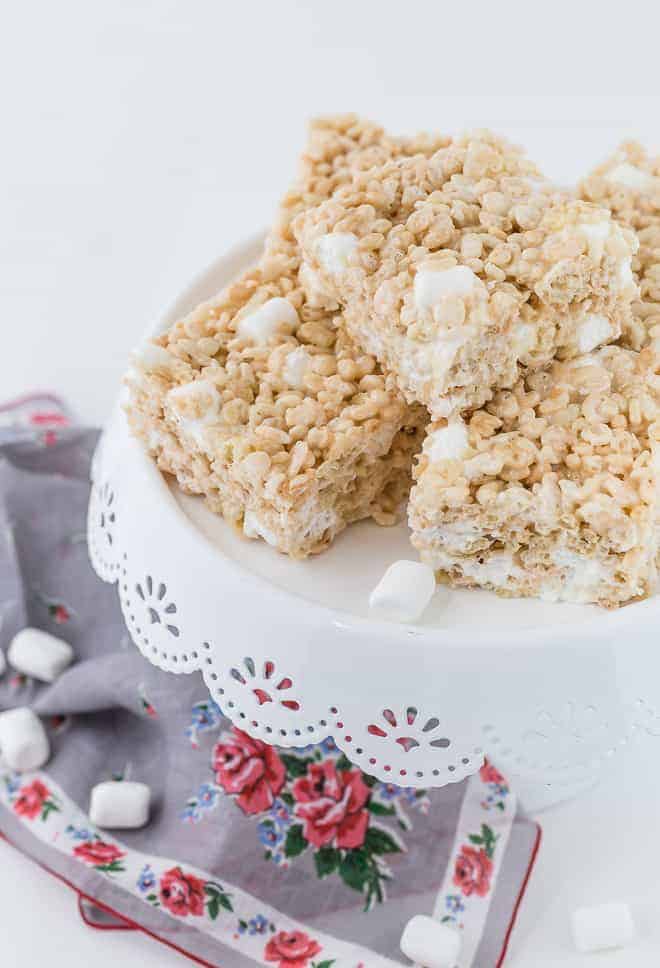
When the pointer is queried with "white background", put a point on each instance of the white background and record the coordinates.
(140, 139)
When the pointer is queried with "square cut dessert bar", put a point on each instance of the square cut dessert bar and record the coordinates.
(628, 184)
(452, 269)
(259, 400)
(552, 490)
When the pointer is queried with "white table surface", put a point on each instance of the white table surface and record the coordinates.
(142, 138)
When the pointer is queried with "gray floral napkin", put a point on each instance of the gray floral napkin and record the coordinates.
(253, 854)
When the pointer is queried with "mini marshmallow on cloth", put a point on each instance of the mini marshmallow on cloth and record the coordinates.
(252, 854)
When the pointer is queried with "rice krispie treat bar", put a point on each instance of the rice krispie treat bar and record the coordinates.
(338, 147)
(258, 399)
(628, 184)
(453, 269)
(553, 489)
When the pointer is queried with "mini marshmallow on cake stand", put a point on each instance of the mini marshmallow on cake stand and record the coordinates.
(291, 653)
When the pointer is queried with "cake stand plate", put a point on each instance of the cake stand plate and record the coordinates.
(288, 650)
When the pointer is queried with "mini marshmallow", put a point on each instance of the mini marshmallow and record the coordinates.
(524, 338)
(195, 407)
(151, 356)
(39, 654)
(313, 286)
(625, 275)
(272, 317)
(449, 443)
(120, 804)
(432, 284)
(23, 741)
(295, 367)
(602, 927)
(630, 176)
(335, 250)
(430, 943)
(195, 399)
(403, 592)
(593, 331)
(596, 234)
(254, 528)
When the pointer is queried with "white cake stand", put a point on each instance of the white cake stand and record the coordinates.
(290, 653)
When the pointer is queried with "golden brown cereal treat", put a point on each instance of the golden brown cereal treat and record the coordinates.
(454, 269)
(261, 404)
(552, 489)
(338, 147)
(628, 184)
(258, 400)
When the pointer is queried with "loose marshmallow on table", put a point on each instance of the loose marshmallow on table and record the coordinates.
(430, 943)
(23, 741)
(602, 927)
(120, 804)
(403, 592)
(39, 654)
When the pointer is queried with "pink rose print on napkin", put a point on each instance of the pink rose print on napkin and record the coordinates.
(291, 949)
(308, 799)
(182, 894)
(249, 768)
(31, 800)
(473, 871)
(104, 857)
(489, 774)
(332, 805)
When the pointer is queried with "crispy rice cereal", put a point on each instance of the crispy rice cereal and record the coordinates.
(628, 184)
(552, 490)
(454, 268)
(258, 400)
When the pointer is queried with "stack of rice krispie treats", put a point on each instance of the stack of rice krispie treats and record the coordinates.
(259, 399)
(455, 269)
(435, 302)
(489, 294)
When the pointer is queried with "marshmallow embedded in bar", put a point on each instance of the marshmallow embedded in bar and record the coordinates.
(463, 265)
(273, 317)
(403, 592)
(40, 655)
(551, 490)
(23, 741)
(602, 927)
(120, 804)
(430, 943)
